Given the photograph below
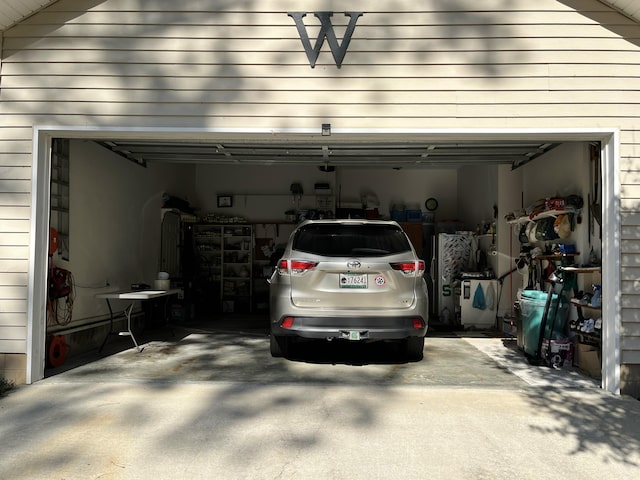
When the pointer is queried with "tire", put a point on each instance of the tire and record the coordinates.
(414, 348)
(279, 346)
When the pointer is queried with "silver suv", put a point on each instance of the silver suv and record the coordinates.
(354, 280)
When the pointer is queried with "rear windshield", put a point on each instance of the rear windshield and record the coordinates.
(336, 240)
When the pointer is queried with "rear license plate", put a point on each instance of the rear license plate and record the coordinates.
(353, 280)
(354, 335)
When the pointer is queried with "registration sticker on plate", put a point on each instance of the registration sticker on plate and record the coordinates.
(353, 280)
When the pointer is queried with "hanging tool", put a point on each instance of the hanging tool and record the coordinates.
(501, 284)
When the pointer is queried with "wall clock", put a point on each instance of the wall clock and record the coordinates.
(431, 204)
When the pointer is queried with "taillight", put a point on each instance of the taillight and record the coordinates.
(408, 267)
(295, 266)
(287, 322)
(418, 323)
(299, 266)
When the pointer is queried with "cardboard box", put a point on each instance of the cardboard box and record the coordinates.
(589, 360)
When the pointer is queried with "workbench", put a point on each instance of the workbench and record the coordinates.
(132, 296)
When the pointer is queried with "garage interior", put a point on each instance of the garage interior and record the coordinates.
(128, 207)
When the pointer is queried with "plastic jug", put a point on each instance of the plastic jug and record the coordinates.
(596, 299)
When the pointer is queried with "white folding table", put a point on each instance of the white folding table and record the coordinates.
(133, 296)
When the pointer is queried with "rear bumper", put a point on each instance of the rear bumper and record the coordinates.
(367, 327)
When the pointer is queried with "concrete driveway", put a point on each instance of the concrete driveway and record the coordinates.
(212, 403)
(237, 349)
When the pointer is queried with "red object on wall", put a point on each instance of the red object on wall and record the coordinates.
(53, 241)
(556, 204)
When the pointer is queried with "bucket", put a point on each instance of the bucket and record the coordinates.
(428, 217)
(162, 284)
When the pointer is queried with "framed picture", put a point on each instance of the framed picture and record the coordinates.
(225, 201)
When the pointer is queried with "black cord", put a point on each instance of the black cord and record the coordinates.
(501, 282)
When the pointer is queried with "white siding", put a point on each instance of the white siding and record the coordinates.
(421, 64)
(15, 210)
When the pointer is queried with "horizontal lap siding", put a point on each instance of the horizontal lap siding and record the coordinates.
(425, 64)
(15, 212)
(630, 246)
(209, 67)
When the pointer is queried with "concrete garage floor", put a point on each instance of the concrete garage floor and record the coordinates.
(210, 402)
(236, 348)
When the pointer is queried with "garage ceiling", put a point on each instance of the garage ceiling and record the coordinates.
(330, 153)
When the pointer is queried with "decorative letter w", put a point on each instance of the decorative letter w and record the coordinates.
(326, 30)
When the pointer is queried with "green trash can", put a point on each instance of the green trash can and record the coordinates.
(532, 304)
(518, 318)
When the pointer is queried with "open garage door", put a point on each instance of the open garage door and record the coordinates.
(333, 153)
(482, 159)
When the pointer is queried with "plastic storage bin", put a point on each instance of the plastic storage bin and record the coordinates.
(532, 304)
(414, 215)
(399, 215)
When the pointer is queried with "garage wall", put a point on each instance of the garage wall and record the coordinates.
(477, 194)
(262, 192)
(208, 64)
(565, 171)
(510, 198)
(561, 172)
(115, 220)
(408, 187)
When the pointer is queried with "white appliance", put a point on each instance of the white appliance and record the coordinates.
(484, 292)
